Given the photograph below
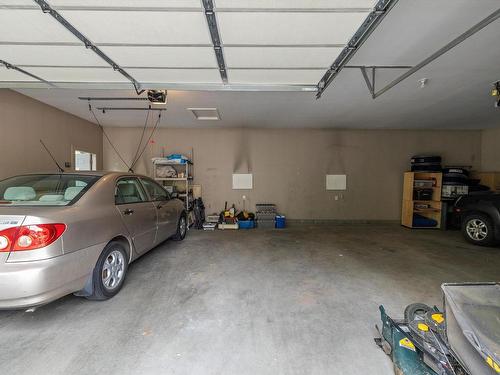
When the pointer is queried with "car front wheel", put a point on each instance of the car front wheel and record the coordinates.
(478, 229)
(109, 272)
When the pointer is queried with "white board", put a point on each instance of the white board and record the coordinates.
(242, 181)
(336, 182)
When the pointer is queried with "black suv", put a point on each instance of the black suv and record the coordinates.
(479, 216)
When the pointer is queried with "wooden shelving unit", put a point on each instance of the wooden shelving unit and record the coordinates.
(409, 203)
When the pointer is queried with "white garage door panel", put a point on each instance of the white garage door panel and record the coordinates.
(162, 56)
(31, 26)
(295, 4)
(306, 77)
(141, 27)
(129, 3)
(78, 74)
(269, 57)
(50, 55)
(176, 75)
(17, 3)
(13, 75)
(288, 28)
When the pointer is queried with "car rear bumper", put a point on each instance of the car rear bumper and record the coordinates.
(27, 284)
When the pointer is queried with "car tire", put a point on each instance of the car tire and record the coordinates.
(478, 229)
(416, 310)
(180, 234)
(109, 272)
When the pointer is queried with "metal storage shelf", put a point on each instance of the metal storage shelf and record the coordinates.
(187, 169)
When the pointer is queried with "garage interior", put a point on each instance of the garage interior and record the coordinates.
(322, 104)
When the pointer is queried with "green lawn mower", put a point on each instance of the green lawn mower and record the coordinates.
(463, 339)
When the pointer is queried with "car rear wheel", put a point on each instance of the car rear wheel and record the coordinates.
(181, 229)
(478, 229)
(109, 272)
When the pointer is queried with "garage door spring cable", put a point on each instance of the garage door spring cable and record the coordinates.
(149, 139)
(109, 140)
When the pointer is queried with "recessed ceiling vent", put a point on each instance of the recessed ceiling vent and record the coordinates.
(205, 114)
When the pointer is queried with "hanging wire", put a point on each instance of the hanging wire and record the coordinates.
(149, 139)
(109, 140)
(134, 159)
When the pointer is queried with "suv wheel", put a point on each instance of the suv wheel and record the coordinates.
(478, 229)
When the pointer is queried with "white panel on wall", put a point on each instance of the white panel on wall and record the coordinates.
(242, 181)
(288, 28)
(280, 57)
(186, 57)
(336, 182)
(50, 55)
(288, 76)
(141, 27)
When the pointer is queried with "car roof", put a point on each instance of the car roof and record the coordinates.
(83, 173)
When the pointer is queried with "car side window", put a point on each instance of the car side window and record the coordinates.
(155, 191)
(128, 190)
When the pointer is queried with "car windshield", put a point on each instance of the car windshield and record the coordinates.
(44, 189)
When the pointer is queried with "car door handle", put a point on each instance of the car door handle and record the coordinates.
(128, 211)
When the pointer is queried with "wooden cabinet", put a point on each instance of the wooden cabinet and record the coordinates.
(490, 179)
(415, 201)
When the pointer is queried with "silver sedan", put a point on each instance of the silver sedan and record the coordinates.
(78, 232)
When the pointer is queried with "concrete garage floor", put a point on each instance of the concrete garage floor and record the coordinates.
(298, 301)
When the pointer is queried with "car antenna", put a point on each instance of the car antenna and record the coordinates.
(52, 156)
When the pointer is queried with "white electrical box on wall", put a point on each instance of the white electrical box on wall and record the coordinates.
(242, 181)
(336, 182)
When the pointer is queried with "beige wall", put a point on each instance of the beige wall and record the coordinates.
(24, 121)
(289, 165)
(490, 150)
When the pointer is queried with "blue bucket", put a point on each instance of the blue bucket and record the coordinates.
(280, 222)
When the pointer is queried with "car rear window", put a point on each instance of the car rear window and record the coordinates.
(44, 189)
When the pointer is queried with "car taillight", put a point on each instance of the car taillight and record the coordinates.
(30, 237)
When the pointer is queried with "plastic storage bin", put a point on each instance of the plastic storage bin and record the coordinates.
(280, 221)
(246, 224)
